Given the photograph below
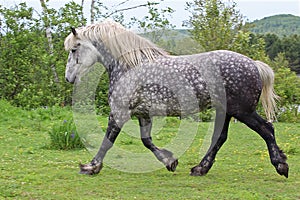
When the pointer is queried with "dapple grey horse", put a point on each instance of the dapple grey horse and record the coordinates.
(144, 81)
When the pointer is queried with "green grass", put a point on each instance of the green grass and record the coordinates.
(29, 170)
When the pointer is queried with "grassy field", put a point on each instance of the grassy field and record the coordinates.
(30, 170)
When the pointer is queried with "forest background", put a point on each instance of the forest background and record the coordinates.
(32, 57)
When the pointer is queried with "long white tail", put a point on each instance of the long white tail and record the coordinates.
(268, 96)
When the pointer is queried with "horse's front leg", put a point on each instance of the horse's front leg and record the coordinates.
(96, 164)
(163, 155)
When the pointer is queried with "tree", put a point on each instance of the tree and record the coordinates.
(49, 37)
(25, 74)
(100, 11)
(155, 25)
(291, 48)
(215, 25)
(218, 25)
(287, 83)
(250, 45)
(93, 11)
(287, 86)
(281, 25)
(20, 56)
(31, 47)
(273, 45)
(289, 45)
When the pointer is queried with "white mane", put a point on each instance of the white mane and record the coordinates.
(123, 44)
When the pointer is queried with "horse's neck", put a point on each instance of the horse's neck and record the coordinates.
(113, 67)
(106, 59)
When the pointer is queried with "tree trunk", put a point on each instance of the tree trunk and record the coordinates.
(49, 38)
(82, 3)
(93, 11)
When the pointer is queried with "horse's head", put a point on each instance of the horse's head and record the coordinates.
(82, 55)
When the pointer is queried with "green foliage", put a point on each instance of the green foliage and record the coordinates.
(176, 42)
(155, 24)
(215, 24)
(25, 75)
(287, 87)
(27, 61)
(289, 45)
(272, 45)
(287, 84)
(281, 35)
(250, 45)
(64, 136)
(219, 25)
(281, 25)
(291, 48)
(207, 115)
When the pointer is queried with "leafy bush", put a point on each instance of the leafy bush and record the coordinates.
(64, 136)
(289, 114)
(287, 87)
(27, 63)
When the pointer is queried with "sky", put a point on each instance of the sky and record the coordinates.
(251, 9)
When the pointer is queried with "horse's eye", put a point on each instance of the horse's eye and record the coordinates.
(73, 50)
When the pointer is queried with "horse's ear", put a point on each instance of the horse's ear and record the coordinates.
(74, 31)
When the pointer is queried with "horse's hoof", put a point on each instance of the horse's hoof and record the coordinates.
(90, 169)
(172, 166)
(283, 169)
(198, 171)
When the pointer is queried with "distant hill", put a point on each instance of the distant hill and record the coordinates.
(278, 24)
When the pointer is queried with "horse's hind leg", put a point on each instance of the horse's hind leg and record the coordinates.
(218, 139)
(266, 131)
(163, 155)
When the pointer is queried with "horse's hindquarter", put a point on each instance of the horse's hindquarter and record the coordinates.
(241, 80)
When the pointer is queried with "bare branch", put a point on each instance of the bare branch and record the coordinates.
(120, 3)
(130, 8)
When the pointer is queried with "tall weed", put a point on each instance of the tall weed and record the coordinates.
(64, 136)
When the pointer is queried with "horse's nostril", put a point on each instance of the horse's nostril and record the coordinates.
(67, 79)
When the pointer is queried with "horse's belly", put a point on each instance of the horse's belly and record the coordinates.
(175, 106)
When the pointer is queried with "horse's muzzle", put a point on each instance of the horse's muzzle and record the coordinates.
(70, 81)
